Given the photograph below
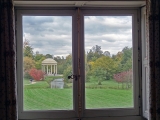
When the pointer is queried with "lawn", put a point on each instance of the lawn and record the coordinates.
(47, 99)
(40, 96)
(108, 98)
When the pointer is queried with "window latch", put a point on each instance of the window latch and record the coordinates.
(73, 77)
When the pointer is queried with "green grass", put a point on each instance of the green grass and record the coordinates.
(105, 84)
(40, 96)
(108, 98)
(26, 81)
(47, 99)
(39, 84)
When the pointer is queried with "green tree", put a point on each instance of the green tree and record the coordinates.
(67, 67)
(38, 60)
(117, 62)
(49, 56)
(67, 72)
(94, 53)
(106, 64)
(99, 74)
(127, 58)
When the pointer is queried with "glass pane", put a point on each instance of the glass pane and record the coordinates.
(47, 62)
(108, 62)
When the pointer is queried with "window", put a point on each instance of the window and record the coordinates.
(96, 48)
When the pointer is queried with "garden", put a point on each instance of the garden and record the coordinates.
(108, 82)
(39, 96)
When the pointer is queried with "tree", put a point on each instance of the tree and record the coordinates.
(97, 49)
(36, 74)
(28, 63)
(27, 49)
(67, 72)
(49, 56)
(124, 77)
(117, 62)
(106, 64)
(58, 59)
(127, 58)
(38, 60)
(94, 53)
(67, 66)
(99, 74)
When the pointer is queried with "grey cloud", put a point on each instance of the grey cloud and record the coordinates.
(100, 26)
(52, 35)
(47, 25)
(109, 40)
(49, 46)
(36, 20)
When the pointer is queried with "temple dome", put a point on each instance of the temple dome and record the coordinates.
(48, 61)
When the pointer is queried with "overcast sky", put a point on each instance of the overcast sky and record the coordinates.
(53, 34)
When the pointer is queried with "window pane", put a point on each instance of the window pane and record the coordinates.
(108, 62)
(47, 62)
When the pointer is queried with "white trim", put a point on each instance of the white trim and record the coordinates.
(44, 113)
(145, 65)
(136, 71)
(85, 3)
(132, 113)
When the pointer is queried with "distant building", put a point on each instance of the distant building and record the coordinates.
(49, 66)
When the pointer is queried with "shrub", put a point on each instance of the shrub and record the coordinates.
(36, 74)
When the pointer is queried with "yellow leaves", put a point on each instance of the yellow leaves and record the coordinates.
(91, 63)
(28, 63)
(103, 62)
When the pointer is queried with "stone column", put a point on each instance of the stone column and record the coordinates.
(43, 68)
(51, 69)
(56, 69)
(47, 69)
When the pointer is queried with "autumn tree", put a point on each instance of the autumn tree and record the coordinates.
(36, 74)
(28, 63)
(124, 77)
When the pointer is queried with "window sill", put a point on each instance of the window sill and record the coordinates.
(98, 118)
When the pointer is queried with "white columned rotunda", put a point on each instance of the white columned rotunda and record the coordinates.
(49, 66)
